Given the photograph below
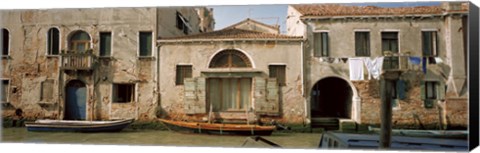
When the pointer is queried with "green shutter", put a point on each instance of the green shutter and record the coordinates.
(422, 90)
(272, 106)
(259, 94)
(190, 96)
(145, 43)
(440, 90)
(201, 96)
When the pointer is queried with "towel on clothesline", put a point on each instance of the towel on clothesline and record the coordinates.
(374, 67)
(356, 68)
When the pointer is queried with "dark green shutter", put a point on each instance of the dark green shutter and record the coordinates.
(145, 43)
(440, 90)
(190, 96)
(105, 43)
(422, 90)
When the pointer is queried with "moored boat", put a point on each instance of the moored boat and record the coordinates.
(337, 140)
(218, 128)
(77, 126)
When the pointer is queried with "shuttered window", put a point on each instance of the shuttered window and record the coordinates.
(105, 43)
(183, 71)
(53, 41)
(5, 42)
(390, 41)
(362, 43)
(4, 92)
(429, 43)
(47, 90)
(145, 43)
(123, 93)
(320, 44)
(279, 72)
(432, 91)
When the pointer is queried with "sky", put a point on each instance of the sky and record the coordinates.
(276, 14)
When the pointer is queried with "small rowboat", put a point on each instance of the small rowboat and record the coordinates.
(218, 128)
(77, 126)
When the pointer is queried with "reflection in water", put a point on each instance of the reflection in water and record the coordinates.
(151, 137)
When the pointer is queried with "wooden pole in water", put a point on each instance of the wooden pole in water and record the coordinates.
(386, 86)
(386, 114)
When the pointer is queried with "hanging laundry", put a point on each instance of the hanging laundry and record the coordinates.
(415, 60)
(431, 60)
(330, 59)
(336, 60)
(438, 60)
(344, 60)
(374, 67)
(356, 68)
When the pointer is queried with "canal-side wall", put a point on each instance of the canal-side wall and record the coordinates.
(29, 65)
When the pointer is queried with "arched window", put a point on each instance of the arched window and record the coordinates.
(230, 59)
(53, 41)
(5, 41)
(79, 41)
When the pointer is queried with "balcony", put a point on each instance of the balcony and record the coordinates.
(77, 61)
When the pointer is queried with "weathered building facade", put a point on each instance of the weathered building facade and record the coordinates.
(348, 47)
(237, 73)
(86, 64)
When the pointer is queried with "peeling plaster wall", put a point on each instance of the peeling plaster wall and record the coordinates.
(261, 53)
(341, 38)
(29, 65)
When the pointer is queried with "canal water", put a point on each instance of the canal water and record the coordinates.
(156, 138)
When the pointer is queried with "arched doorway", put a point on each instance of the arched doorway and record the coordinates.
(331, 97)
(75, 100)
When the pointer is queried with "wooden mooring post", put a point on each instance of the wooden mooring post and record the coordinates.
(387, 80)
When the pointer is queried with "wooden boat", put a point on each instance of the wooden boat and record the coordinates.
(77, 126)
(336, 140)
(218, 128)
(459, 134)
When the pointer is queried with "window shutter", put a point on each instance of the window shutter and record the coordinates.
(401, 89)
(422, 90)
(190, 96)
(272, 106)
(259, 94)
(440, 90)
(201, 95)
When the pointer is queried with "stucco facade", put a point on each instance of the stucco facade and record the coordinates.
(29, 64)
(363, 107)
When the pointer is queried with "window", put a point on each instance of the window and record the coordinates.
(105, 43)
(53, 41)
(320, 44)
(278, 71)
(145, 43)
(4, 92)
(430, 90)
(47, 90)
(123, 93)
(362, 43)
(183, 71)
(429, 43)
(80, 42)
(390, 41)
(230, 59)
(5, 42)
(182, 23)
